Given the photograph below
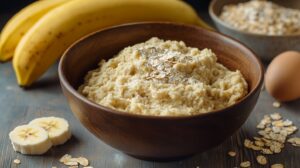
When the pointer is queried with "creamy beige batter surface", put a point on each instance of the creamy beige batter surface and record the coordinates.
(164, 78)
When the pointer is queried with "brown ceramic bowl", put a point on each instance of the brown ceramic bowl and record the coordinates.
(153, 137)
(265, 46)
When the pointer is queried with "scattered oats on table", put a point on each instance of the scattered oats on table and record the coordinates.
(291, 129)
(17, 161)
(65, 158)
(259, 143)
(68, 160)
(245, 164)
(264, 122)
(295, 141)
(266, 151)
(277, 165)
(276, 104)
(248, 143)
(273, 131)
(275, 116)
(81, 160)
(256, 148)
(287, 123)
(232, 153)
(71, 163)
(275, 147)
(262, 160)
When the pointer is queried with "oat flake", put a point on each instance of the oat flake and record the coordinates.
(71, 163)
(277, 166)
(245, 164)
(294, 141)
(276, 104)
(259, 143)
(275, 116)
(248, 143)
(17, 161)
(261, 160)
(232, 153)
(81, 160)
(266, 151)
(274, 132)
(65, 158)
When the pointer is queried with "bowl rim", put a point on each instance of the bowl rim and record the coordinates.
(64, 82)
(216, 18)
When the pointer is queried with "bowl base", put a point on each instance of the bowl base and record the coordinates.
(161, 159)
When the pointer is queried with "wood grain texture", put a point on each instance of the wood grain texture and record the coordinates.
(19, 106)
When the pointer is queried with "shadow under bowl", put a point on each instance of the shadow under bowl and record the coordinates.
(154, 137)
(265, 46)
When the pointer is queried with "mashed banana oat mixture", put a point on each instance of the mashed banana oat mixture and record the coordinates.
(164, 78)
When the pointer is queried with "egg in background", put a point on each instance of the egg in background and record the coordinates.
(282, 78)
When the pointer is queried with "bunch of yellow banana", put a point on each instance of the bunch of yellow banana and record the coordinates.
(40, 33)
(16, 27)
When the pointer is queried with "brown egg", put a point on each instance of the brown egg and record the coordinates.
(282, 79)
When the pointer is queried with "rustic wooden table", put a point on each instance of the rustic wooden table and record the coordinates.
(19, 106)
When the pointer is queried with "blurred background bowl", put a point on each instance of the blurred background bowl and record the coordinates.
(265, 46)
(153, 137)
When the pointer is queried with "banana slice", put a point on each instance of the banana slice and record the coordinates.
(30, 139)
(57, 128)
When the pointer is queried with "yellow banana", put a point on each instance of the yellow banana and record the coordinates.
(16, 27)
(45, 42)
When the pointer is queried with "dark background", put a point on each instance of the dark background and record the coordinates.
(15, 5)
(10, 7)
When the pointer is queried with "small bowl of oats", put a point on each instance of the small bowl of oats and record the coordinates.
(269, 27)
(160, 90)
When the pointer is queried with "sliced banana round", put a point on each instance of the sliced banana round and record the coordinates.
(57, 128)
(30, 139)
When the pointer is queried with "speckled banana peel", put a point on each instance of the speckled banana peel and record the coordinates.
(19, 24)
(46, 41)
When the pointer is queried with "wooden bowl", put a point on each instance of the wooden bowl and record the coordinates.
(265, 46)
(154, 137)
